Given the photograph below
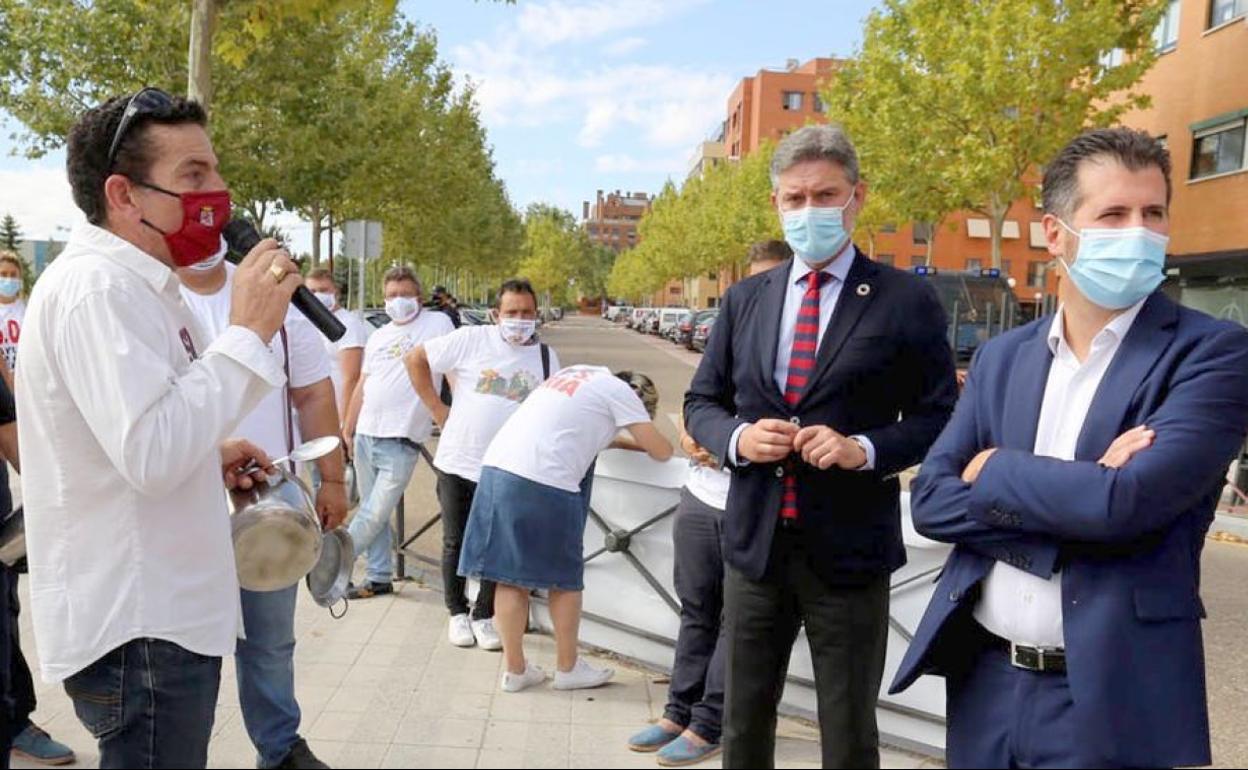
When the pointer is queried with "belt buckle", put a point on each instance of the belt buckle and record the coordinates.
(1033, 658)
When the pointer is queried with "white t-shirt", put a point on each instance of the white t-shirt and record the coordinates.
(356, 336)
(265, 426)
(492, 377)
(11, 317)
(710, 485)
(391, 407)
(557, 433)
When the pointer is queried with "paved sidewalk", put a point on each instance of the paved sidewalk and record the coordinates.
(383, 688)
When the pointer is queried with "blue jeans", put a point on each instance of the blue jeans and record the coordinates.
(265, 668)
(384, 467)
(149, 703)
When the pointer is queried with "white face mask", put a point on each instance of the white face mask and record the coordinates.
(402, 309)
(517, 331)
(326, 298)
(213, 262)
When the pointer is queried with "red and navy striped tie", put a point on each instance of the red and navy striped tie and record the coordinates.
(801, 369)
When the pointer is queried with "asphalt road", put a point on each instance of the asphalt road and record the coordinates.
(592, 341)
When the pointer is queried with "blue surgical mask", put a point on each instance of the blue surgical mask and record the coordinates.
(326, 298)
(816, 234)
(10, 287)
(1117, 267)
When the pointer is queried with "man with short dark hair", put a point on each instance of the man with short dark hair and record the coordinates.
(1077, 480)
(765, 255)
(134, 590)
(494, 368)
(443, 302)
(391, 423)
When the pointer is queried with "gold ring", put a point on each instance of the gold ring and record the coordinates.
(277, 272)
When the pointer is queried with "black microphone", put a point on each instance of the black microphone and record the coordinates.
(242, 237)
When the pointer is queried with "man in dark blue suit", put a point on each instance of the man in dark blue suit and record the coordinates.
(1078, 479)
(823, 379)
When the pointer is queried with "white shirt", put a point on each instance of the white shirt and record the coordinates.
(356, 336)
(492, 378)
(557, 433)
(829, 293)
(1017, 605)
(123, 408)
(391, 408)
(11, 318)
(265, 425)
(710, 485)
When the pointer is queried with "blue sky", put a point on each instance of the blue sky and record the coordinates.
(576, 95)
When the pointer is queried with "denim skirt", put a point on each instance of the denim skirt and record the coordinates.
(526, 534)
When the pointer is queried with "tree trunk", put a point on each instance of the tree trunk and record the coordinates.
(931, 244)
(316, 235)
(199, 66)
(998, 210)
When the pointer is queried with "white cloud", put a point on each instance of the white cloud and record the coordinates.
(625, 46)
(546, 24)
(38, 197)
(623, 163)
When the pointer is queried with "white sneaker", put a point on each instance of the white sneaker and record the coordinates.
(487, 637)
(582, 677)
(516, 682)
(460, 631)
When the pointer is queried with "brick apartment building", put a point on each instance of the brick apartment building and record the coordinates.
(612, 219)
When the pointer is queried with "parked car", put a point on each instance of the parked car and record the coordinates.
(471, 316)
(376, 316)
(638, 317)
(701, 332)
(614, 312)
(979, 305)
(687, 328)
(668, 317)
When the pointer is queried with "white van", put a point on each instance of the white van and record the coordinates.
(669, 317)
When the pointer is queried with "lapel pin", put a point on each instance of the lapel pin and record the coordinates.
(864, 289)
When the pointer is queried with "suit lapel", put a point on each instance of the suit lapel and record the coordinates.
(857, 293)
(1147, 339)
(771, 306)
(1025, 392)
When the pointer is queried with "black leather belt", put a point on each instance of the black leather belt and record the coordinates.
(1043, 660)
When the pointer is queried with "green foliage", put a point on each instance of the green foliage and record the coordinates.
(322, 107)
(706, 226)
(10, 234)
(558, 257)
(954, 104)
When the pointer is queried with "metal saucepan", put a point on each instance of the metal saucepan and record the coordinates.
(328, 580)
(277, 534)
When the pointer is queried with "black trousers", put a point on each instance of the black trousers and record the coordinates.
(696, 697)
(455, 497)
(847, 626)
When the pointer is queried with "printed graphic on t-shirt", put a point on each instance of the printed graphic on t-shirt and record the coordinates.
(10, 333)
(569, 381)
(515, 388)
(396, 349)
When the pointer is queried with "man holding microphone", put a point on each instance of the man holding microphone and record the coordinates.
(133, 585)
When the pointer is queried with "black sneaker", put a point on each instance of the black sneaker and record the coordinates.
(369, 590)
(300, 756)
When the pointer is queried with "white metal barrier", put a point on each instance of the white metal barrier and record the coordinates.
(630, 603)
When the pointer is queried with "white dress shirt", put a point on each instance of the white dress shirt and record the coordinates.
(123, 408)
(1017, 605)
(829, 293)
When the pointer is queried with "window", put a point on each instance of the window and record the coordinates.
(712, 276)
(974, 264)
(1112, 58)
(792, 100)
(1005, 269)
(922, 233)
(820, 107)
(1035, 274)
(1219, 150)
(885, 259)
(1038, 239)
(1167, 34)
(888, 228)
(1222, 11)
(918, 260)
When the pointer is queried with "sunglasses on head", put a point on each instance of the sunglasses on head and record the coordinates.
(149, 101)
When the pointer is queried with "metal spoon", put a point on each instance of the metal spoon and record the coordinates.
(305, 452)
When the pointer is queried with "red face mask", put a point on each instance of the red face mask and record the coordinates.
(204, 215)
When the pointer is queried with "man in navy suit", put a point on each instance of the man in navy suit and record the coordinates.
(1078, 479)
(823, 379)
